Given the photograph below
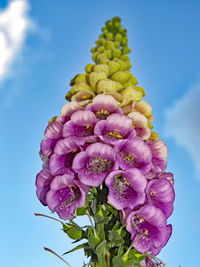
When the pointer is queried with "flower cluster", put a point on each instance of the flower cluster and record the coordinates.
(103, 142)
(85, 148)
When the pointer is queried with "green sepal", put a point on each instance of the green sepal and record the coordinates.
(73, 231)
(85, 245)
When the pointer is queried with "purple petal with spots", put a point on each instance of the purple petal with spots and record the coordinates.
(114, 129)
(95, 163)
(43, 180)
(126, 188)
(161, 194)
(65, 195)
(81, 127)
(150, 222)
(134, 153)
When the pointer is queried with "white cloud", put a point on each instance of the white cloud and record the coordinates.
(183, 123)
(14, 23)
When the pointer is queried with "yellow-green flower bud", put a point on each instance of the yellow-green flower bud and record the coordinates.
(126, 50)
(121, 76)
(106, 86)
(101, 68)
(116, 19)
(93, 49)
(102, 58)
(117, 44)
(89, 67)
(143, 107)
(124, 41)
(52, 120)
(133, 80)
(94, 56)
(102, 41)
(83, 77)
(113, 67)
(104, 30)
(68, 96)
(128, 65)
(100, 49)
(118, 37)
(116, 52)
(109, 36)
(81, 86)
(129, 95)
(154, 136)
(124, 57)
(128, 83)
(101, 36)
(108, 53)
(140, 89)
(109, 45)
(94, 77)
(119, 86)
(123, 65)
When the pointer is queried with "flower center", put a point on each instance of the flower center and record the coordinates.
(89, 130)
(72, 192)
(127, 157)
(120, 185)
(99, 165)
(139, 226)
(115, 134)
(102, 114)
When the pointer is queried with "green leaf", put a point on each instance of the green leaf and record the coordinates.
(93, 238)
(101, 251)
(115, 238)
(73, 231)
(81, 211)
(85, 245)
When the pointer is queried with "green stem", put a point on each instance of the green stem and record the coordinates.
(47, 249)
(42, 215)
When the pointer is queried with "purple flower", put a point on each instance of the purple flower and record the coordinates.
(65, 151)
(155, 251)
(160, 193)
(159, 154)
(65, 195)
(134, 153)
(95, 163)
(167, 175)
(147, 227)
(52, 133)
(103, 106)
(158, 148)
(115, 128)
(43, 180)
(126, 188)
(81, 126)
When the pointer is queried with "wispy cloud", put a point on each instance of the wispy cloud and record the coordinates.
(183, 123)
(14, 23)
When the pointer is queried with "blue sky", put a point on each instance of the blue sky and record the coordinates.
(50, 43)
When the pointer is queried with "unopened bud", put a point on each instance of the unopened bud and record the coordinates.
(94, 77)
(106, 86)
(101, 68)
(121, 76)
(129, 95)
